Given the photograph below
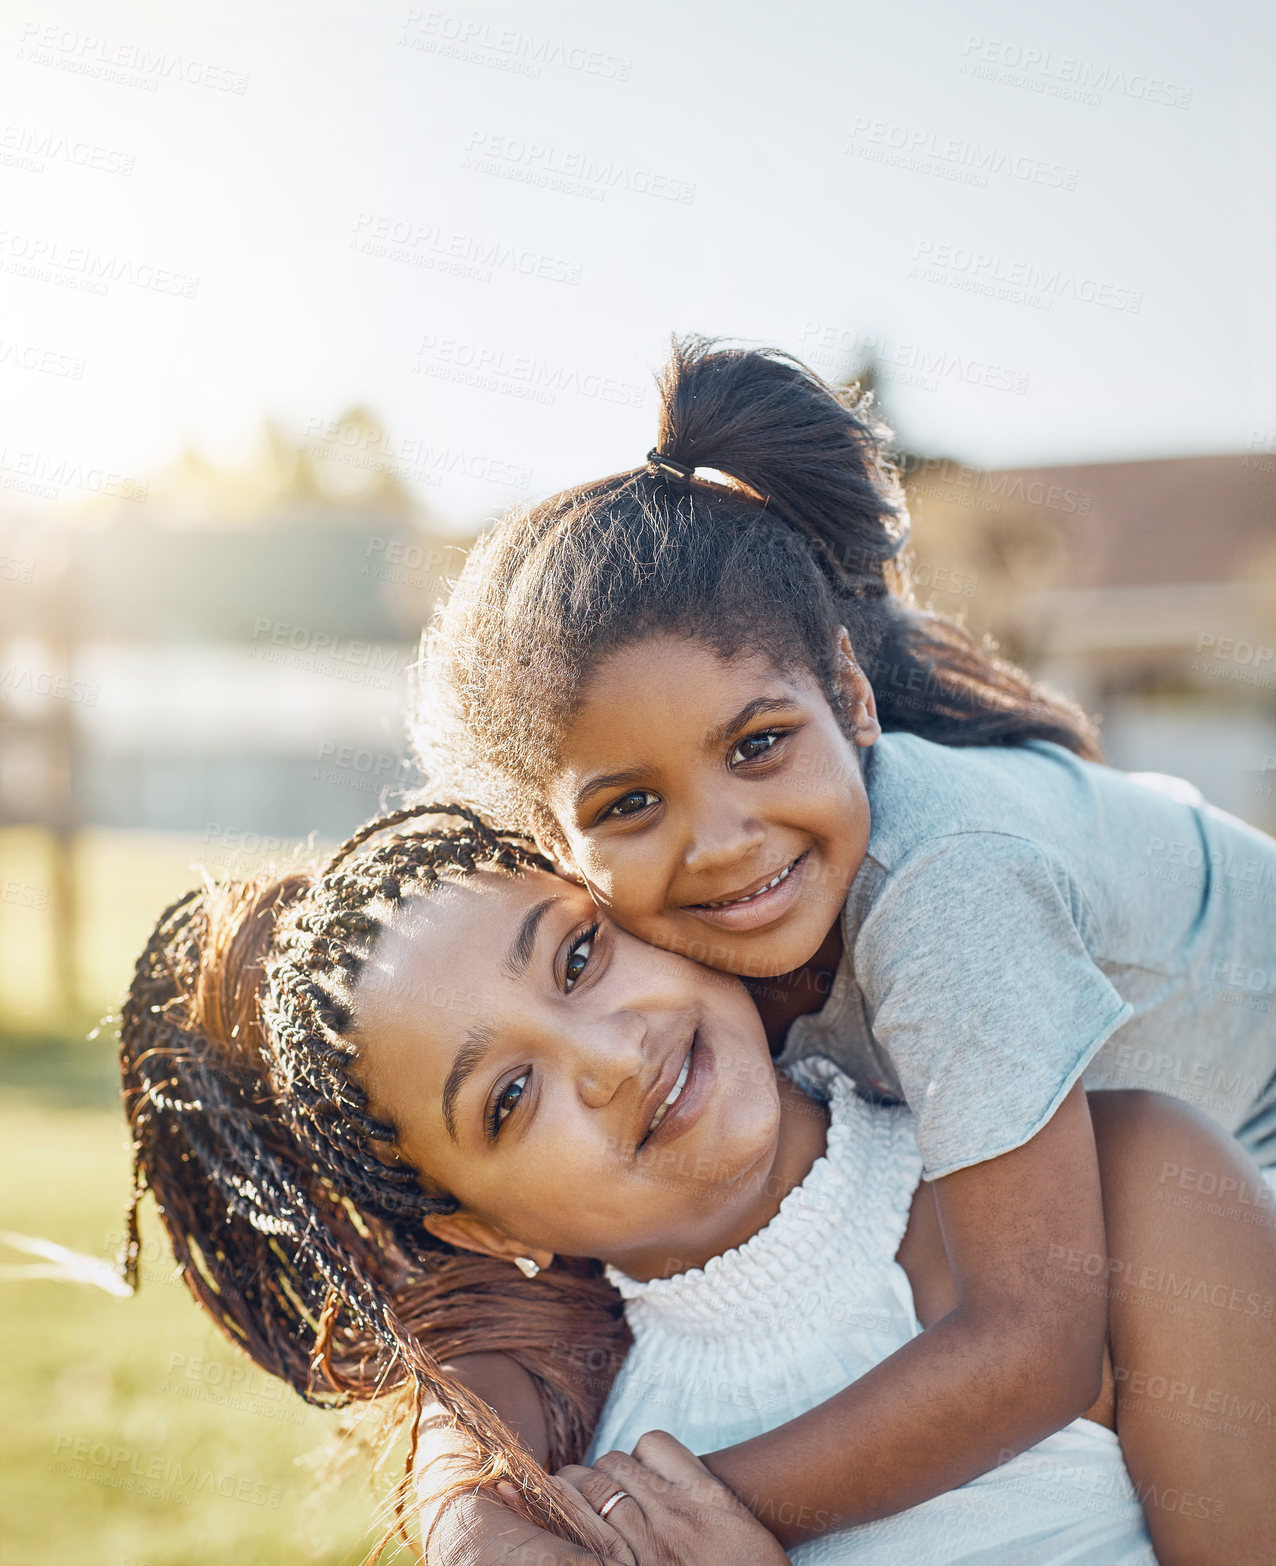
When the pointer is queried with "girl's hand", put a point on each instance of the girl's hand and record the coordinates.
(675, 1512)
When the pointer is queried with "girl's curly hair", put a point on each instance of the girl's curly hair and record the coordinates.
(767, 516)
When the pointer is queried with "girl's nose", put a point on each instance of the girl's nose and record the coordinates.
(719, 843)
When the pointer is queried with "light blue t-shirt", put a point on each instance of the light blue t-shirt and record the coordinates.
(1022, 917)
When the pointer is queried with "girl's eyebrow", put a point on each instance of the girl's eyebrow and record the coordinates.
(750, 710)
(712, 740)
(596, 785)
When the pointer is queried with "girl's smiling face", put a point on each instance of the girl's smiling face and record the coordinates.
(716, 807)
(523, 1047)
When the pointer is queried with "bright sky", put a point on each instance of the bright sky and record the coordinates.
(1054, 221)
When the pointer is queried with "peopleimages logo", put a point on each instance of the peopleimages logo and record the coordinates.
(321, 650)
(23, 147)
(1016, 280)
(952, 157)
(941, 476)
(570, 172)
(113, 59)
(412, 458)
(42, 361)
(1234, 658)
(14, 570)
(39, 682)
(508, 49)
(1065, 75)
(490, 367)
(19, 895)
(475, 256)
(126, 1468)
(80, 266)
(919, 365)
(49, 474)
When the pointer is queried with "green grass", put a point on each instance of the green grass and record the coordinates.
(134, 1434)
(122, 881)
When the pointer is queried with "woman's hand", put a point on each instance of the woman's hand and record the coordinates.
(476, 1530)
(674, 1512)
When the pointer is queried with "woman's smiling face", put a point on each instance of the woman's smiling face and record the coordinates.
(523, 1047)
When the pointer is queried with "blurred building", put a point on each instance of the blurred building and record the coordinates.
(1147, 590)
(227, 654)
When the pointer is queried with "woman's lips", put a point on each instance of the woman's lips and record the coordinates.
(687, 1108)
(762, 908)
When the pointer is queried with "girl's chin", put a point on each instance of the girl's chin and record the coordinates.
(764, 954)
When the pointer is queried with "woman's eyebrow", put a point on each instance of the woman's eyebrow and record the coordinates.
(468, 1059)
(524, 943)
(481, 1037)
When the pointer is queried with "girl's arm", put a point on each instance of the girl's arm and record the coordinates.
(1018, 1356)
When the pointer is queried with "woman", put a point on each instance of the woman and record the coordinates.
(340, 1086)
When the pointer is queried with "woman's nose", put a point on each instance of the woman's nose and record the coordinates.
(608, 1054)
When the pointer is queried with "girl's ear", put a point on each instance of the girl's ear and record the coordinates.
(560, 856)
(857, 693)
(464, 1232)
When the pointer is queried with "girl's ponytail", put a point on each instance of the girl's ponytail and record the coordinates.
(805, 536)
(813, 456)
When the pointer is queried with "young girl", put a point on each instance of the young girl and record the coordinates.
(679, 684)
(340, 1085)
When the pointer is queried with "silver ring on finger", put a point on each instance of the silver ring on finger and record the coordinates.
(609, 1505)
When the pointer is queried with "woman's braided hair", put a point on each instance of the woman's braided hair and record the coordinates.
(257, 1143)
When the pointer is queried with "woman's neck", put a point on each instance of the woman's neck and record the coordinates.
(804, 1128)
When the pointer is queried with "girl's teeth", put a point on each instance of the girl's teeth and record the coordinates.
(674, 1091)
(774, 881)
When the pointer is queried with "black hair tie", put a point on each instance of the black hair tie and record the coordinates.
(678, 470)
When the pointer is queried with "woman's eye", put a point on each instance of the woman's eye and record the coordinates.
(578, 958)
(753, 746)
(630, 804)
(507, 1100)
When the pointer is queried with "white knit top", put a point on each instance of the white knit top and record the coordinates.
(815, 1299)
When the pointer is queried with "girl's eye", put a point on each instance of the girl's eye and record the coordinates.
(753, 746)
(630, 804)
(578, 958)
(505, 1101)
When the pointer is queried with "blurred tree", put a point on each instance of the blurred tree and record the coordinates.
(354, 461)
(288, 474)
